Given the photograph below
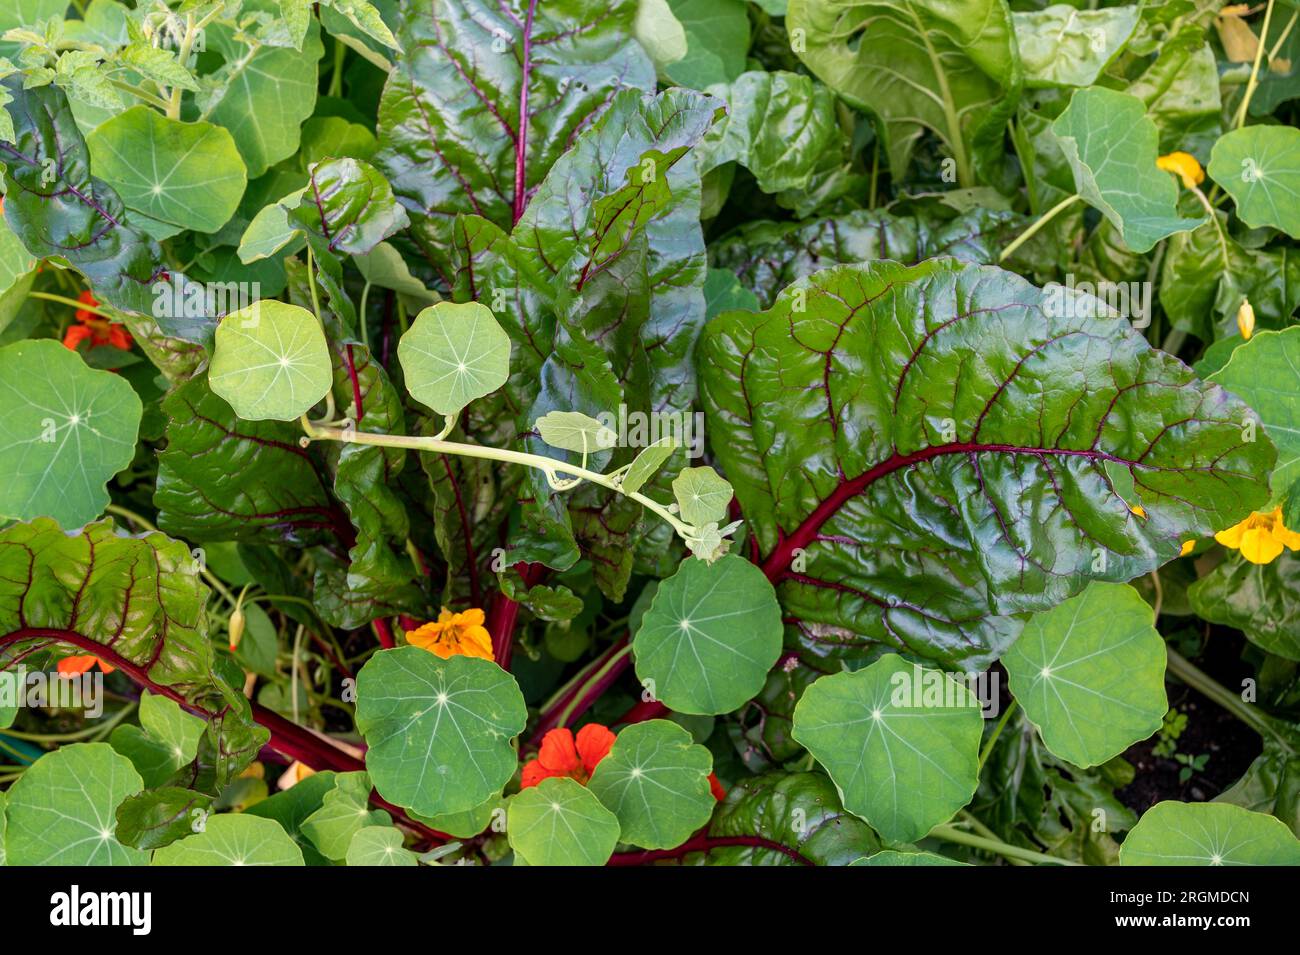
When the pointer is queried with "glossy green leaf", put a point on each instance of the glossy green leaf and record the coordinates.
(439, 731)
(158, 817)
(717, 36)
(1062, 45)
(61, 811)
(453, 355)
(270, 230)
(188, 174)
(711, 634)
(873, 425)
(68, 429)
(1260, 600)
(1090, 673)
(379, 846)
(647, 464)
(702, 496)
(233, 839)
(166, 739)
(348, 207)
(271, 361)
(1265, 373)
(1178, 833)
(1112, 147)
(892, 857)
(574, 431)
(656, 781)
(344, 812)
(561, 822)
(900, 742)
(1259, 166)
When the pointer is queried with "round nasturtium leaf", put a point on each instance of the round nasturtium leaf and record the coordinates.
(712, 633)
(233, 839)
(62, 811)
(187, 174)
(1259, 166)
(1090, 673)
(656, 781)
(344, 811)
(561, 822)
(453, 354)
(1265, 373)
(66, 430)
(702, 496)
(575, 431)
(438, 731)
(271, 361)
(649, 461)
(1208, 833)
(900, 741)
(379, 846)
(894, 857)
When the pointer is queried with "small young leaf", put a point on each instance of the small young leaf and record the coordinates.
(271, 361)
(647, 463)
(270, 230)
(561, 822)
(575, 431)
(343, 813)
(1259, 166)
(379, 846)
(1208, 833)
(234, 839)
(711, 634)
(702, 496)
(454, 354)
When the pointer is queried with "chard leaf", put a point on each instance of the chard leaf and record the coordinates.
(271, 361)
(61, 811)
(439, 731)
(1259, 166)
(918, 65)
(1112, 147)
(656, 781)
(233, 839)
(68, 429)
(158, 817)
(904, 759)
(1265, 373)
(884, 404)
(561, 822)
(347, 207)
(451, 139)
(379, 846)
(711, 634)
(717, 36)
(1260, 600)
(1090, 674)
(186, 174)
(454, 354)
(1179, 833)
(1061, 45)
(57, 208)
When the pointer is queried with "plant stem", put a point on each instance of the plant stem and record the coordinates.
(1208, 687)
(82, 306)
(145, 97)
(997, 731)
(949, 833)
(1045, 218)
(1253, 82)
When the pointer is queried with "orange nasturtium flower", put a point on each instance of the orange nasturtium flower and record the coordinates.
(1185, 166)
(75, 666)
(563, 755)
(1260, 537)
(454, 634)
(99, 330)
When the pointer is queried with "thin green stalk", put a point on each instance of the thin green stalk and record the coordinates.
(64, 300)
(1253, 82)
(996, 846)
(1045, 218)
(144, 96)
(89, 732)
(971, 820)
(997, 731)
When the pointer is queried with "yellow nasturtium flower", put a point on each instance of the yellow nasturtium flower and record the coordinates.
(454, 634)
(1246, 319)
(1260, 537)
(1185, 166)
(1187, 548)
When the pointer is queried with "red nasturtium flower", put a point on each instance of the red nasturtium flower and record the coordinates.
(99, 330)
(454, 634)
(75, 666)
(563, 755)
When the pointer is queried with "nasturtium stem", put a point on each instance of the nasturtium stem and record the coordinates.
(997, 847)
(1045, 218)
(997, 731)
(143, 95)
(1253, 82)
(548, 466)
(82, 306)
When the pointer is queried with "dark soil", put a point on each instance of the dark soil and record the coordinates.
(1231, 745)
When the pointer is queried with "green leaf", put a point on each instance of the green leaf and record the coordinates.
(166, 739)
(291, 808)
(188, 174)
(471, 822)
(348, 207)
(894, 857)
(67, 430)
(1265, 373)
(270, 230)
(365, 18)
(453, 355)
(61, 811)
(439, 731)
(711, 634)
(656, 781)
(158, 817)
(918, 65)
(1090, 674)
(1112, 148)
(702, 496)
(575, 431)
(717, 38)
(1064, 46)
(344, 812)
(561, 822)
(1260, 600)
(1178, 833)
(379, 846)
(271, 361)
(873, 425)
(647, 464)
(901, 743)
(233, 839)
(660, 32)
(1259, 166)
(3, 826)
